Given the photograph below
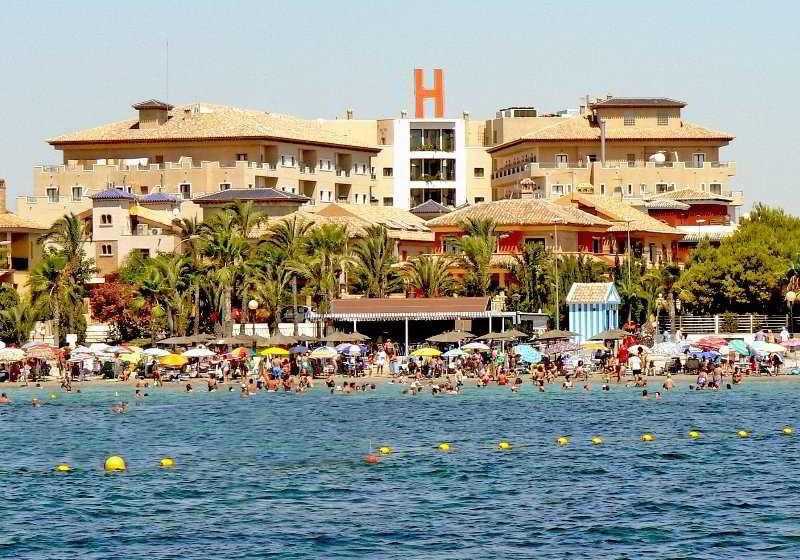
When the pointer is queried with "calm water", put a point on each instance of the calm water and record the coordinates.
(282, 476)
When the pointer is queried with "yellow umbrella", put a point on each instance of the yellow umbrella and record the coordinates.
(131, 358)
(135, 349)
(426, 352)
(592, 345)
(173, 360)
(274, 351)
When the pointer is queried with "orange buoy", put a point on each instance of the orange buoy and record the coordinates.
(372, 459)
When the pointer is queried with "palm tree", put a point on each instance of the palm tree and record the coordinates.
(52, 289)
(325, 260)
(69, 233)
(481, 227)
(429, 274)
(289, 236)
(245, 219)
(373, 257)
(793, 273)
(18, 321)
(226, 250)
(476, 259)
(530, 268)
(190, 230)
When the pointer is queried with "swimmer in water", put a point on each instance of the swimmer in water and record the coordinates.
(4, 399)
(36, 403)
(606, 387)
(644, 395)
(188, 387)
(137, 393)
(658, 395)
(120, 408)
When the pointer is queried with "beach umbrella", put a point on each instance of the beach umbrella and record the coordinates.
(714, 342)
(274, 351)
(131, 357)
(667, 349)
(306, 338)
(592, 345)
(241, 352)
(477, 346)
(610, 334)
(556, 335)
(527, 353)
(791, 343)
(42, 352)
(454, 353)
(3, 345)
(324, 352)
(118, 350)
(176, 341)
(199, 352)
(250, 340)
(635, 349)
(358, 337)
(299, 349)
(426, 352)
(98, 348)
(451, 337)
(350, 349)
(158, 352)
(706, 354)
(768, 347)
(279, 339)
(562, 346)
(739, 346)
(11, 355)
(339, 336)
(173, 360)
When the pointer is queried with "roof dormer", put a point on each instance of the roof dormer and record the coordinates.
(152, 113)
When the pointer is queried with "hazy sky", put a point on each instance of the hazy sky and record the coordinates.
(71, 65)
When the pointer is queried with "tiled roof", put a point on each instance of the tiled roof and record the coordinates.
(112, 194)
(158, 197)
(594, 292)
(259, 195)
(10, 222)
(202, 122)
(694, 237)
(617, 211)
(637, 102)
(430, 207)
(355, 219)
(520, 212)
(155, 217)
(666, 204)
(684, 195)
(581, 129)
(153, 104)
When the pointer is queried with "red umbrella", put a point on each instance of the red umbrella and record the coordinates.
(715, 342)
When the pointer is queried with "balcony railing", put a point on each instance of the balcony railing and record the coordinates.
(342, 172)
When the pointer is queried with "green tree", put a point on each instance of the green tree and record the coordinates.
(430, 275)
(17, 321)
(226, 251)
(531, 291)
(373, 257)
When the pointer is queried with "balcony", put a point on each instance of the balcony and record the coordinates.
(342, 172)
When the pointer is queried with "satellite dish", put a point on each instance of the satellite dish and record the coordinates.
(176, 213)
(658, 157)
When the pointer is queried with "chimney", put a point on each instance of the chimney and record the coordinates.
(465, 114)
(349, 114)
(403, 114)
(3, 207)
(152, 113)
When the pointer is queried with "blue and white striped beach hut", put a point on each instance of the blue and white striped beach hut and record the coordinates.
(593, 308)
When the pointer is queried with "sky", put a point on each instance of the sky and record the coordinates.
(66, 66)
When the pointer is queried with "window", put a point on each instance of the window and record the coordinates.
(602, 189)
(557, 189)
(478, 172)
(479, 199)
(105, 250)
(630, 189)
(388, 201)
(631, 160)
(591, 158)
(415, 139)
(662, 119)
(450, 245)
(698, 159)
(597, 245)
(629, 118)
(241, 157)
(287, 161)
(77, 193)
(52, 194)
(185, 190)
(530, 241)
(561, 158)
(494, 137)
(105, 219)
(144, 189)
(643, 189)
(388, 172)
(225, 186)
(661, 188)
(715, 188)
(448, 140)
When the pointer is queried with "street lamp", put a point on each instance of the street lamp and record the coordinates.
(252, 305)
(660, 302)
(790, 299)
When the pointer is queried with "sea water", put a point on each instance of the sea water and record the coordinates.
(282, 475)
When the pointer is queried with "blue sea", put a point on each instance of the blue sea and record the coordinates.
(283, 475)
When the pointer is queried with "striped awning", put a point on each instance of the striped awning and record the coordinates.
(413, 316)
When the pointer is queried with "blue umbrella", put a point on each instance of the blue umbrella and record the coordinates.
(299, 349)
(454, 353)
(528, 354)
(707, 354)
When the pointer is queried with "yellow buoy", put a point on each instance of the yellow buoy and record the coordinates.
(597, 441)
(694, 434)
(166, 462)
(115, 463)
(504, 445)
(743, 433)
(648, 437)
(787, 430)
(443, 447)
(63, 468)
(385, 450)
(53, 396)
(563, 440)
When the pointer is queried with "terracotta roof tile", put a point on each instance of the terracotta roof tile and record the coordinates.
(689, 195)
(594, 292)
(617, 211)
(9, 221)
(520, 212)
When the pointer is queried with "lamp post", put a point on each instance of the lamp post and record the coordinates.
(660, 302)
(252, 305)
(790, 299)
